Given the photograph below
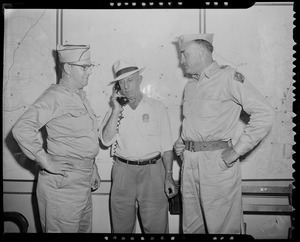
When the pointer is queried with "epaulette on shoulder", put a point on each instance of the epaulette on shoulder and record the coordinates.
(238, 77)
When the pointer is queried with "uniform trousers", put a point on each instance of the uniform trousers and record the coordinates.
(211, 194)
(65, 203)
(142, 185)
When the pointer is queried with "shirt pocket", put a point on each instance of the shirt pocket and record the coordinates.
(206, 108)
(76, 113)
(80, 119)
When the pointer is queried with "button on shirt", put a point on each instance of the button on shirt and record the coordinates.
(143, 133)
(212, 107)
(70, 121)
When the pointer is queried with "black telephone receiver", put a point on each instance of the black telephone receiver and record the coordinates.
(122, 100)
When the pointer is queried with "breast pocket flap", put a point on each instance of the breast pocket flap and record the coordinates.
(78, 113)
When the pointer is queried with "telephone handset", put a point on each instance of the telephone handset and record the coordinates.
(122, 100)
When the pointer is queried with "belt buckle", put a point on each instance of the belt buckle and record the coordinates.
(192, 146)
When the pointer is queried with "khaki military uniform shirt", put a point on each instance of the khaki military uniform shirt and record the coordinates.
(212, 107)
(71, 124)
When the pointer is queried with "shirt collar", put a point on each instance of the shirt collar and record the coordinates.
(207, 72)
(210, 70)
(71, 89)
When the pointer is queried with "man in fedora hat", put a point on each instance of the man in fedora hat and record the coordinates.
(211, 172)
(67, 168)
(140, 135)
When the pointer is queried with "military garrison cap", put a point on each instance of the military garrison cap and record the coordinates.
(184, 39)
(76, 54)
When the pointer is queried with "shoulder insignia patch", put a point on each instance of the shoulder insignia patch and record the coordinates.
(223, 66)
(238, 77)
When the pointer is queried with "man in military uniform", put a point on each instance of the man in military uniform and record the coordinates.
(211, 176)
(68, 169)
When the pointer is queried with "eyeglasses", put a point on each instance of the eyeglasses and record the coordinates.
(85, 67)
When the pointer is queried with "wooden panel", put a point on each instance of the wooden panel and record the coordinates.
(267, 209)
(267, 190)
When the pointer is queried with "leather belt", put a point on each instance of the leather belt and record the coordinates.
(140, 162)
(205, 146)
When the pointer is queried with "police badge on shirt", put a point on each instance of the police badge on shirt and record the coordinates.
(145, 117)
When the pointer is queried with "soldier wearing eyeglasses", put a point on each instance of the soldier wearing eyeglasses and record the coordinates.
(68, 172)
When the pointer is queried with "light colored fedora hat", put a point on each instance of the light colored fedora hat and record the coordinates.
(124, 68)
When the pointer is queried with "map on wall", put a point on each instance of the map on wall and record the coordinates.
(29, 69)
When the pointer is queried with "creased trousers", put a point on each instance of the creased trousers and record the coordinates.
(65, 203)
(211, 194)
(142, 185)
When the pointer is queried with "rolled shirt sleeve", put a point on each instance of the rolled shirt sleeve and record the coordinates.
(103, 123)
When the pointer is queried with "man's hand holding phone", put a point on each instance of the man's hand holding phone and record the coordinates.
(122, 100)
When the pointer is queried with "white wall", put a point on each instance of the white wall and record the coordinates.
(259, 43)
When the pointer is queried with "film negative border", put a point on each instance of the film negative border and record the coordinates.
(148, 4)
